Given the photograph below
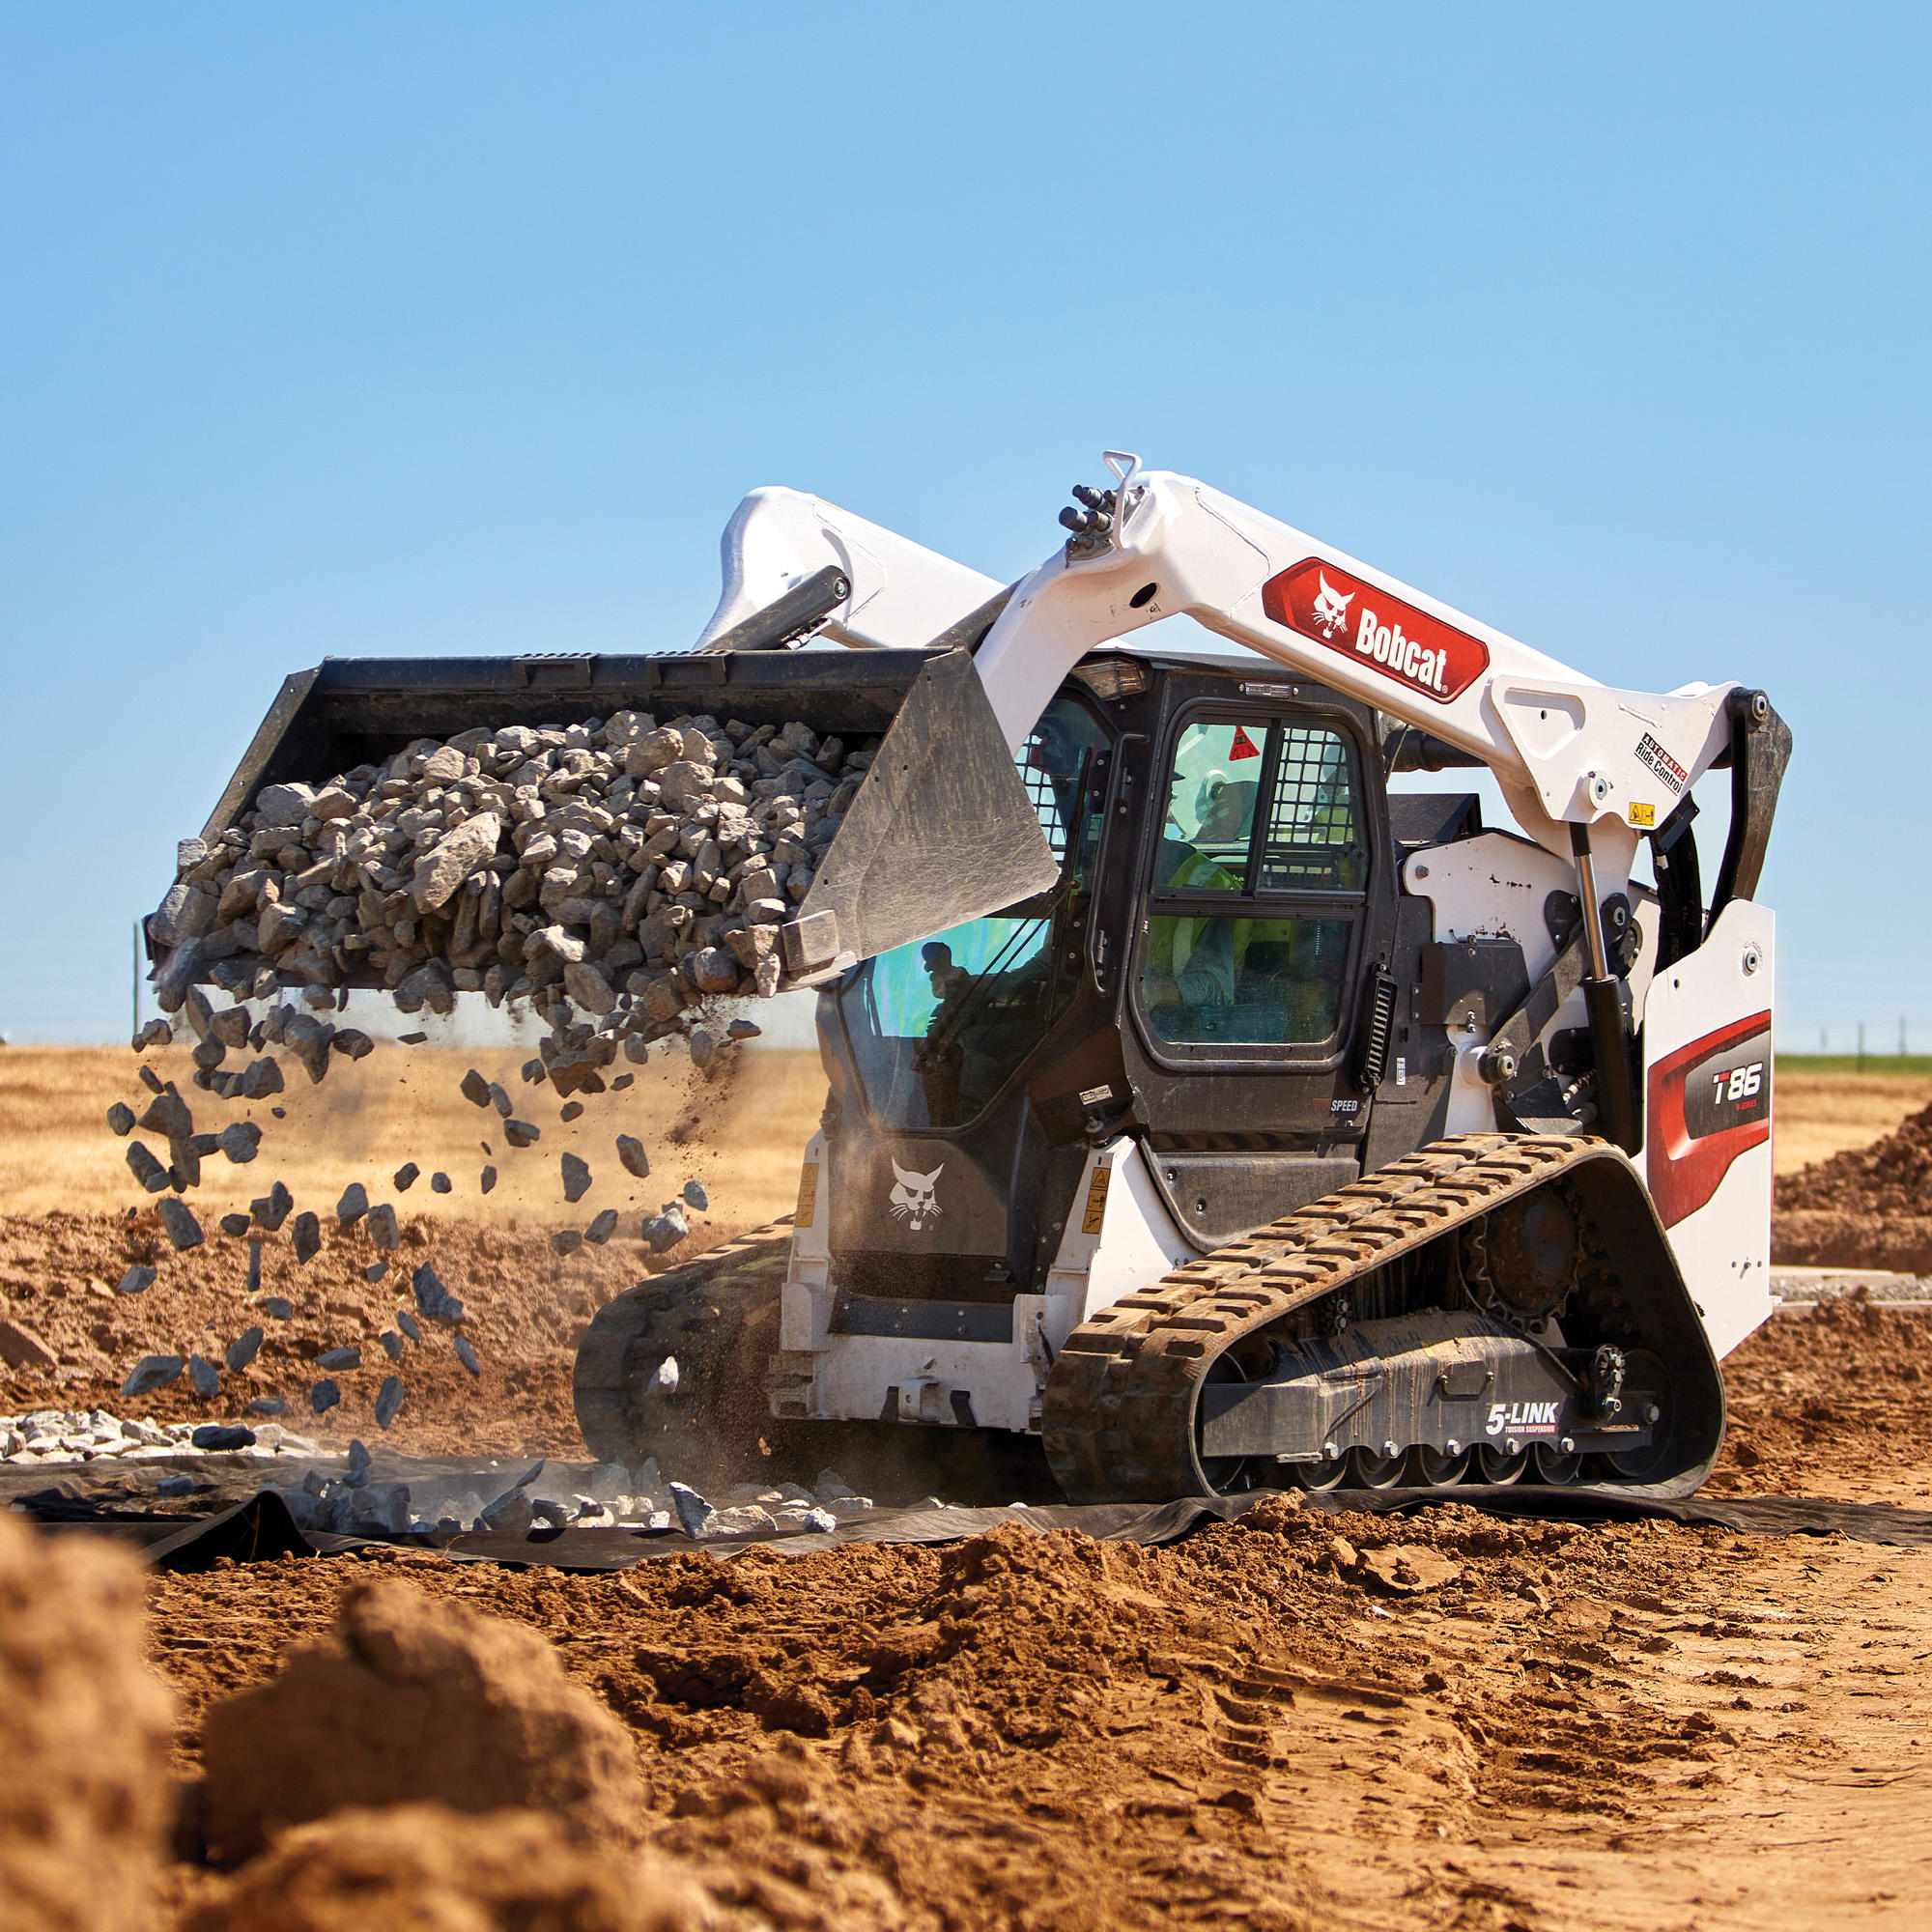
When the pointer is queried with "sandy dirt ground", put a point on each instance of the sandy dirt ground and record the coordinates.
(1294, 1721)
(1823, 1114)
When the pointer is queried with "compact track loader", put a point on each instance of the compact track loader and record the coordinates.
(1200, 1105)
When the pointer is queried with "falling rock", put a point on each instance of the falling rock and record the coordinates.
(157, 1032)
(150, 1373)
(357, 1473)
(168, 1116)
(216, 1437)
(520, 1133)
(205, 1377)
(306, 1234)
(576, 1178)
(602, 1228)
(392, 1344)
(175, 1485)
(696, 1197)
(510, 1514)
(323, 1396)
(475, 1089)
(354, 1205)
(453, 858)
(121, 1119)
(571, 1110)
(261, 1078)
(352, 1042)
(380, 1222)
(405, 1176)
(184, 1229)
(243, 1349)
(240, 1141)
(743, 1030)
(136, 1281)
(713, 970)
(433, 1299)
(566, 1242)
(466, 1356)
(438, 1183)
(235, 1226)
(666, 1229)
(487, 1180)
(388, 1398)
(279, 1307)
(632, 1156)
(409, 1324)
(339, 1358)
(268, 1405)
(272, 1209)
(375, 1272)
(696, 1517)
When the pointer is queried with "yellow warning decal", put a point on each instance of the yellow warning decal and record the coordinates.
(1096, 1200)
(807, 1194)
(1642, 815)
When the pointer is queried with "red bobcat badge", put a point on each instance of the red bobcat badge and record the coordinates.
(1340, 610)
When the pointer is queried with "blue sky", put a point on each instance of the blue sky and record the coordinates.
(436, 328)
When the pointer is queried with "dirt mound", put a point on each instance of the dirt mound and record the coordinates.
(1868, 1207)
(85, 1806)
(425, 1868)
(415, 1700)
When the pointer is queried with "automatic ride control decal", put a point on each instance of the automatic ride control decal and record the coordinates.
(1709, 1102)
(1339, 610)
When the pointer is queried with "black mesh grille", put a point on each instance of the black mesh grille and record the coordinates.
(1312, 841)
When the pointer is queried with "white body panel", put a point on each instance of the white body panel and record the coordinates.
(902, 593)
(1119, 1238)
(1724, 1245)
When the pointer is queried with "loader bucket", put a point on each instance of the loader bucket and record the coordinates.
(941, 830)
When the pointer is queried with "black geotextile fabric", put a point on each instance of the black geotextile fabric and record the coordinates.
(262, 1527)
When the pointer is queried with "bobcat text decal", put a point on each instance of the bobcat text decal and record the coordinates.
(1340, 610)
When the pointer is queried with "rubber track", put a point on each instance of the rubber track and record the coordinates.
(1119, 1403)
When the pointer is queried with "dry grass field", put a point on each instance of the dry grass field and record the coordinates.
(741, 1137)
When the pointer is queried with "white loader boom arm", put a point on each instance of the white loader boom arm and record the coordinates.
(1566, 750)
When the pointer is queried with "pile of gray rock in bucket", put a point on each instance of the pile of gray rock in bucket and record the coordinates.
(619, 870)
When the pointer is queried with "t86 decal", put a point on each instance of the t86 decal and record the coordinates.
(1709, 1101)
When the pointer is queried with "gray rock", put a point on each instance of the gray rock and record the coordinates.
(240, 1141)
(306, 1235)
(157, 1032)
(175, 1485)
(216, 1437)
(375, 1272)
(466, 1356)
(389, 1400)
(475, 1089)
(438, 1183)
(392, 1344)
(487, 1180)
(380, 1222)
(694, 1516)
(409, 1324)
(453, 858)
(354, 1205)
(268, 1405)
(696, 1197)
(136, 1281)
(145, 1169)
(576, 1178)
(272, 1209)
(168, 1116)
(521, 1134)
(121, 1119)
(352, 1042)
(566, 1242)
(434, 1300)
(323, 1396)
(205, 1377)
(235, 1226)
(243, 1349)
(588, 988)
(713, 970)
(283, 804)
(510, 1514)
(339, 1358)
(278, 1306)
(602, 1228)
(664, 1231)
(182, 1229)
(150, 1373)
(405, 1176)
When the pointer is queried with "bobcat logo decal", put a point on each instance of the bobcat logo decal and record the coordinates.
(1331, 607)
(912, 1198)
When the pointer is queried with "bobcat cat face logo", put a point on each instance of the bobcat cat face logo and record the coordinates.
(912, 1198)
(1331, 609)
